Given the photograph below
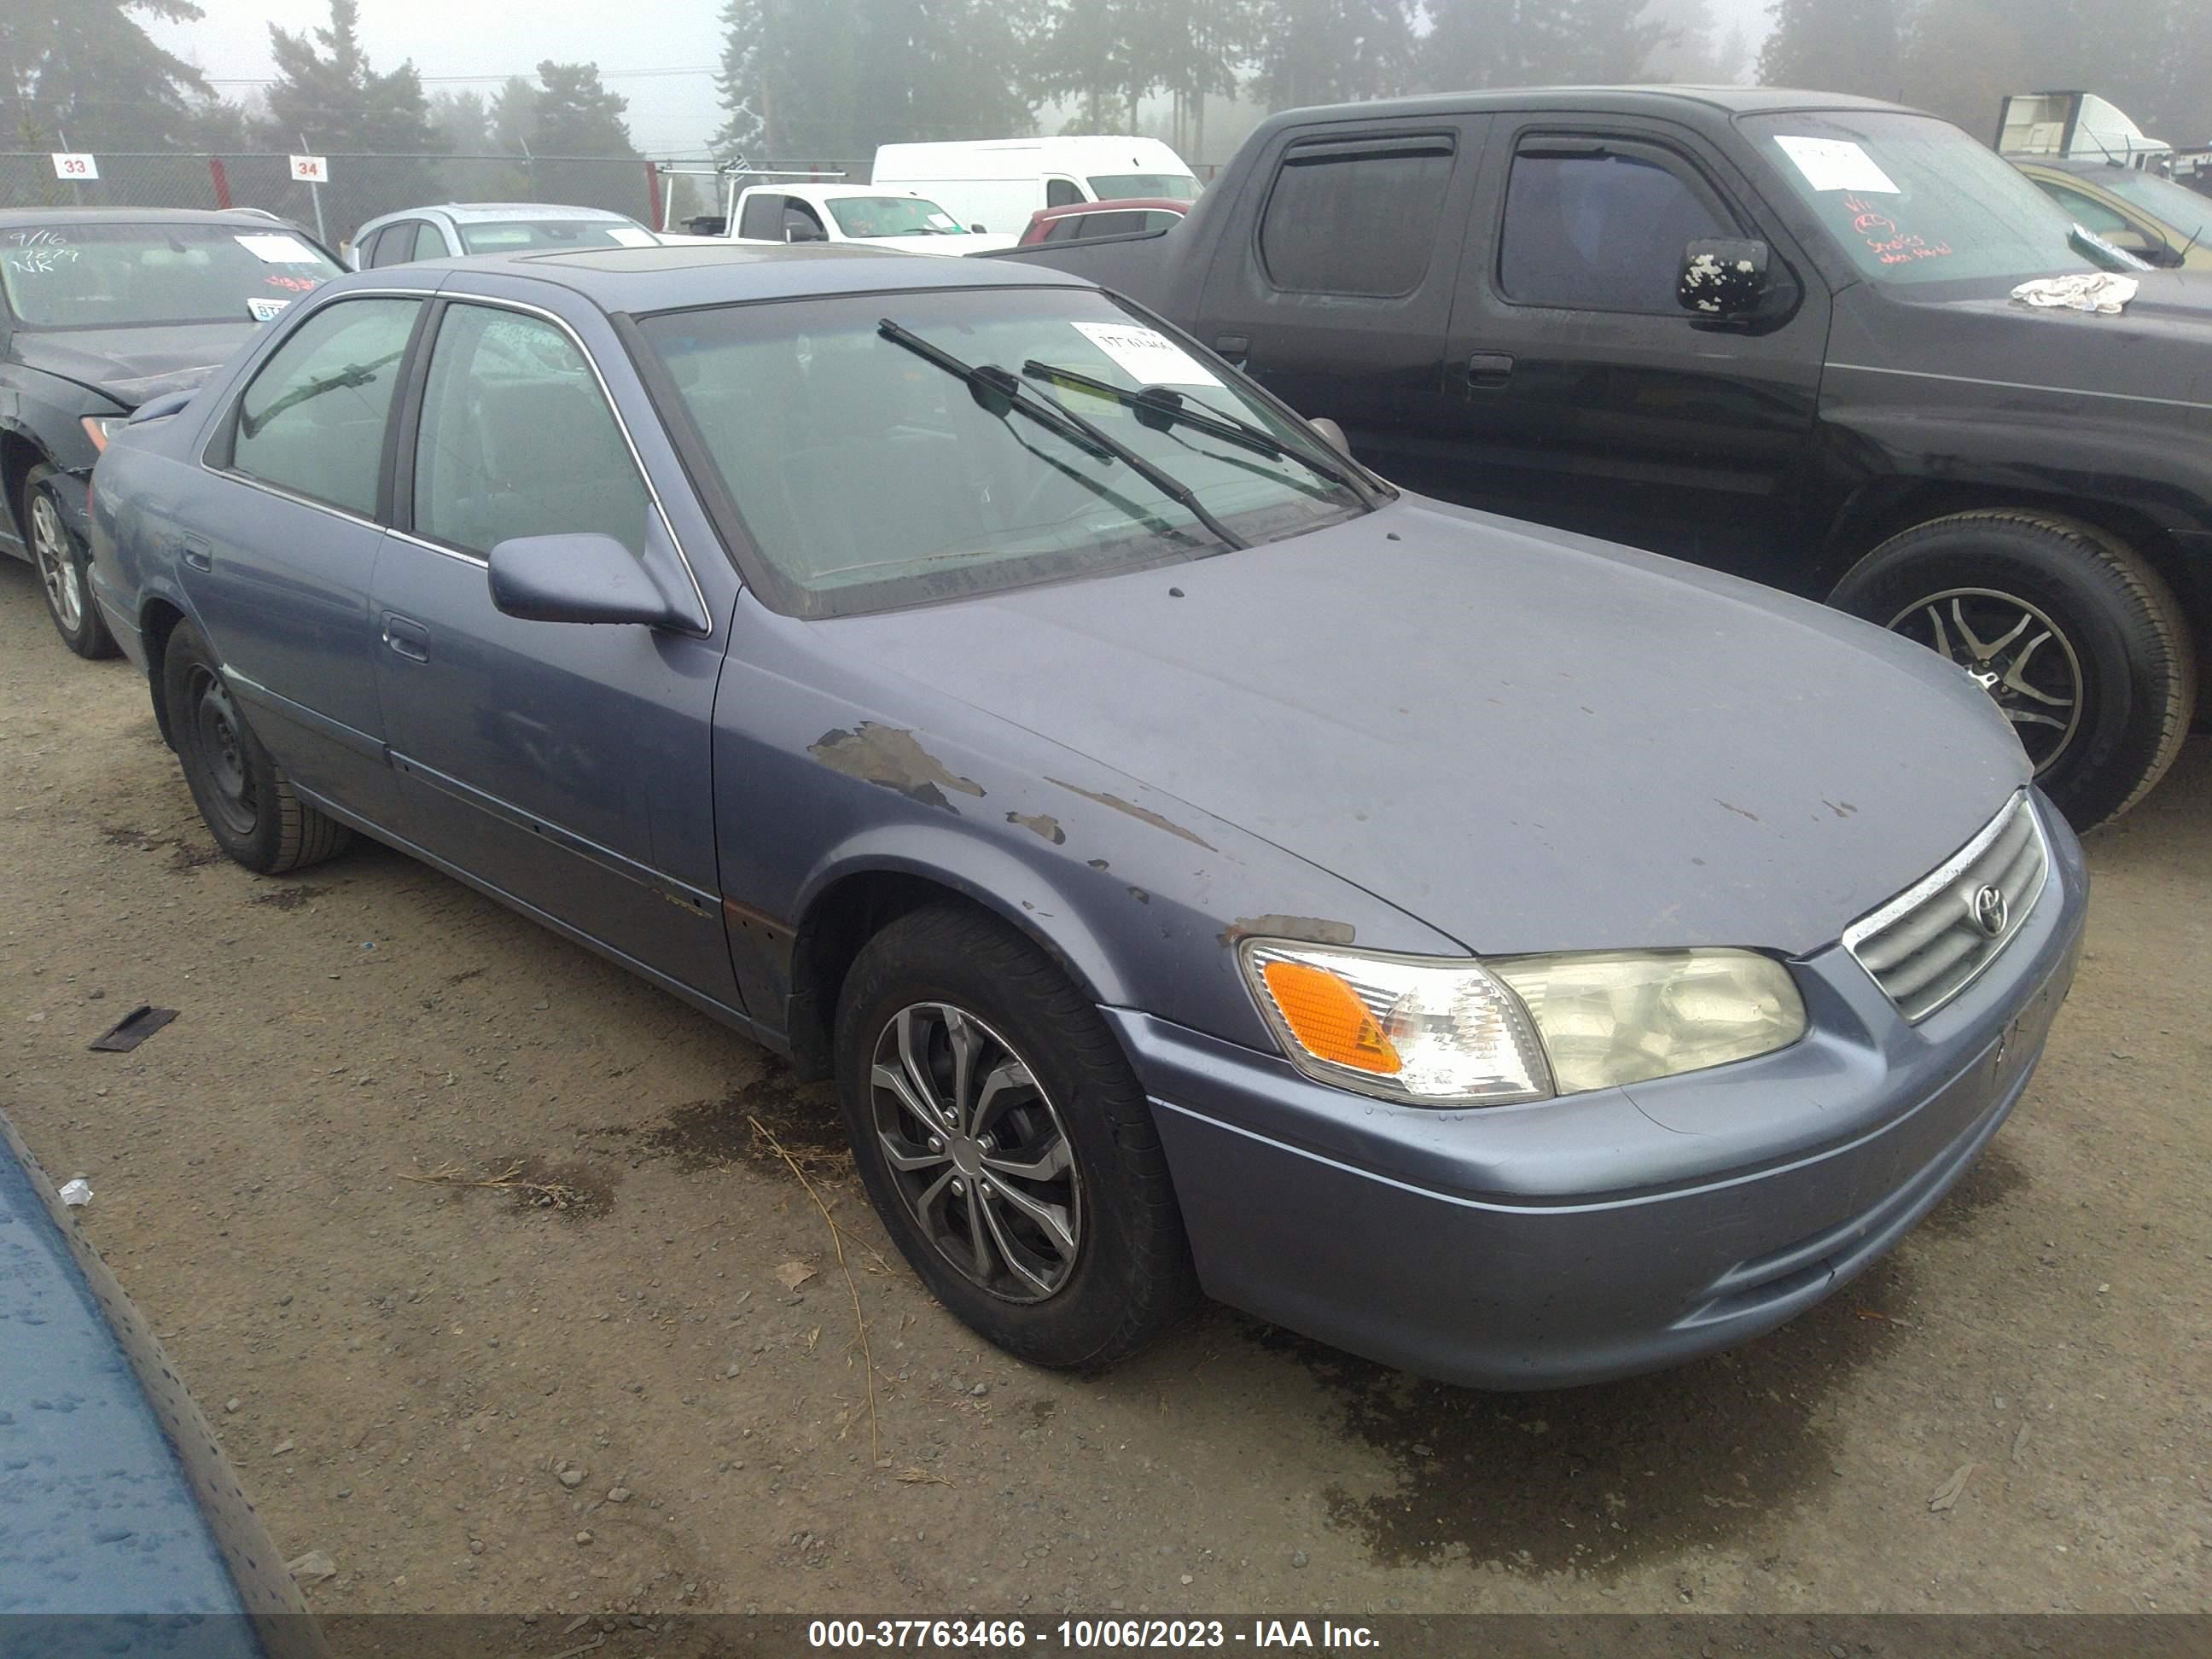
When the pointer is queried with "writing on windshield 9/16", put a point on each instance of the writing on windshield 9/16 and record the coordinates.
(1093, 1635)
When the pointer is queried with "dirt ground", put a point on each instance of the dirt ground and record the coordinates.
(406, 1368)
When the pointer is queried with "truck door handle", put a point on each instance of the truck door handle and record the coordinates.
(194, 552)
(409, 639)
(1235, 347)
(1490, 368)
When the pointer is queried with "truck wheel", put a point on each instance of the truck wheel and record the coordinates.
(2081, 644)
(64, 568)
(1006, 1144)
(248, 803)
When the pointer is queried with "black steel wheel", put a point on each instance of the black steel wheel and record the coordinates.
(2079, 641)
(1006, 1143)
(64, 567)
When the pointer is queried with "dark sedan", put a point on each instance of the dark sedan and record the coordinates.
(102, 310)
(1200, 864)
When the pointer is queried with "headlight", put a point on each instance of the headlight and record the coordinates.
(1432, 1032)
(100, 428)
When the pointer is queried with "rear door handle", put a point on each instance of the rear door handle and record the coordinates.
(194, 552)
(1490, 368)
(409, 638)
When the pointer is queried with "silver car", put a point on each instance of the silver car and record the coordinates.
(454, 229)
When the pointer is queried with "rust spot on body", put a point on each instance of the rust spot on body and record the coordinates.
(1738, 810)
(1039, 824)
(891, 757)
(1142, 814)
(1313, 929)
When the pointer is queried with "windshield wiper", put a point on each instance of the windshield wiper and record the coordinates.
(354, 374)
(1166, 406)
(1000, 393)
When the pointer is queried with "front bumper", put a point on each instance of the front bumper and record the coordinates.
(1600, 1235)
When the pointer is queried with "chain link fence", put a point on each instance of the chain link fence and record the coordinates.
(359, 187)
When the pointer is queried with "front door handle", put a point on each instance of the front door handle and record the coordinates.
(409, 638)
(194, 552)
(1234, 346)
(1489, 368)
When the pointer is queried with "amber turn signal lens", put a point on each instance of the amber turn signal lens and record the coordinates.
(1328, 1017)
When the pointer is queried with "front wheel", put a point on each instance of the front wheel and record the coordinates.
(64, 567)
(2079, 643)
(250, 805)
(1006, 1143)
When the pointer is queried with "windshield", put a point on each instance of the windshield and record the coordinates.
(870, 476)
(891, 216)
(2174, 204)
(508, 234)
(124, 276)
(1913, 199)
(1165, 186)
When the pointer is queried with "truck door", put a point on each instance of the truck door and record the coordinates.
(1578, 391)
(1332, 286)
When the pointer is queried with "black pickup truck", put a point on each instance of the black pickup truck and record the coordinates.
(1765, 330)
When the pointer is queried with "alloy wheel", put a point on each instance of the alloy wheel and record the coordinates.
(2014, 651)
(978, 1152)
(57, 563)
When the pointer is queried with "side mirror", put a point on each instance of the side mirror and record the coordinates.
(979, 230)
(1334, 433)
(575, 579)
(1723, 278)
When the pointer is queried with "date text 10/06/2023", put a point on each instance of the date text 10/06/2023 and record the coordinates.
(1089, 1635)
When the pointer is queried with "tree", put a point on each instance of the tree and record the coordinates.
(1834, 46)
(334, 102)
(1502, 43)
(463, 120)
(1329, 51)
(514, 117)
(1692, 55)
(87, 69)
(578, 117)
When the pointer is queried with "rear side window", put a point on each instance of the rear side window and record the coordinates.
(517, 439)
(429, 242)
(1590, 227)
(1356, 216)
(312, 423)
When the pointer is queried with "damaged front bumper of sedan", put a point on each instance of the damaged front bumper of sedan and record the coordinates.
(1594, 1235)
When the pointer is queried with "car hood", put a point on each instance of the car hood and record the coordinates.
(1529, 740)
(2159, 347)
(134, 365)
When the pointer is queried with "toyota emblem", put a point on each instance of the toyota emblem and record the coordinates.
(1989, 911)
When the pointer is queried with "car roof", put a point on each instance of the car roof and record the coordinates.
(128, 215)
(474, 212)
(1594, 100)
(675, 276)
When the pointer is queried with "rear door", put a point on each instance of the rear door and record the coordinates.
(565, 764)
(1575, 388)
(1334, 288)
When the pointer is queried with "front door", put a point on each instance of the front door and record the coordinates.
(565, 764)
(1583, 395)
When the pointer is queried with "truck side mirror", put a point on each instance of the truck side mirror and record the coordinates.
(1723, 278)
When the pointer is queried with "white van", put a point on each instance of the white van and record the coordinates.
(997, 183)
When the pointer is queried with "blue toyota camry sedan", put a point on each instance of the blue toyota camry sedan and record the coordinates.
(1203, 867)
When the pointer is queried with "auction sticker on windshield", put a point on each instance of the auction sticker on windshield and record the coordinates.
(1146, 355)
(625, 237)
(1836, 164)
(277, 250)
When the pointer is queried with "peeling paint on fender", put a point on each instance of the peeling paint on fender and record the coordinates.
(892, 757)
(1143, 815)
(1313, 929)
(1039, 824)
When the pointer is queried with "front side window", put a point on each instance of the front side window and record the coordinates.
(1355, 216)
(1599, 227)
(517, 439)
(869, 475)
(2175, 205)
(430, 241)
(763, 218)
(1160, 186)
(393, 245)
(1912, 199)
(136, 276)
(313, 420)
(1061, 192)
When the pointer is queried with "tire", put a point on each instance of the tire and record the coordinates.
(64, 567)
(2080, 643)
(249, 805)
(1117, 1272)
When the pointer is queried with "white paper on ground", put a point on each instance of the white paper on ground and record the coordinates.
(1837, 164)
(1146, 355)
(277, 250)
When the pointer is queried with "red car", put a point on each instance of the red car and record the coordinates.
(1086, 219)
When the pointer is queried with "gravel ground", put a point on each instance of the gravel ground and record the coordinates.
(470, 1245)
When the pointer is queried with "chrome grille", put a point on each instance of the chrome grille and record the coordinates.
(1932, 940)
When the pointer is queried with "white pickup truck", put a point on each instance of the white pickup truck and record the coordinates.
(852, 214)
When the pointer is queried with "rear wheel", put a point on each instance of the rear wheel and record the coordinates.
(64, 567)
(2082, 645)
(250, 807)
(1006, 1143)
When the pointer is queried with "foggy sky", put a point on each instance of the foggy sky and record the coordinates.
(667, 112)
